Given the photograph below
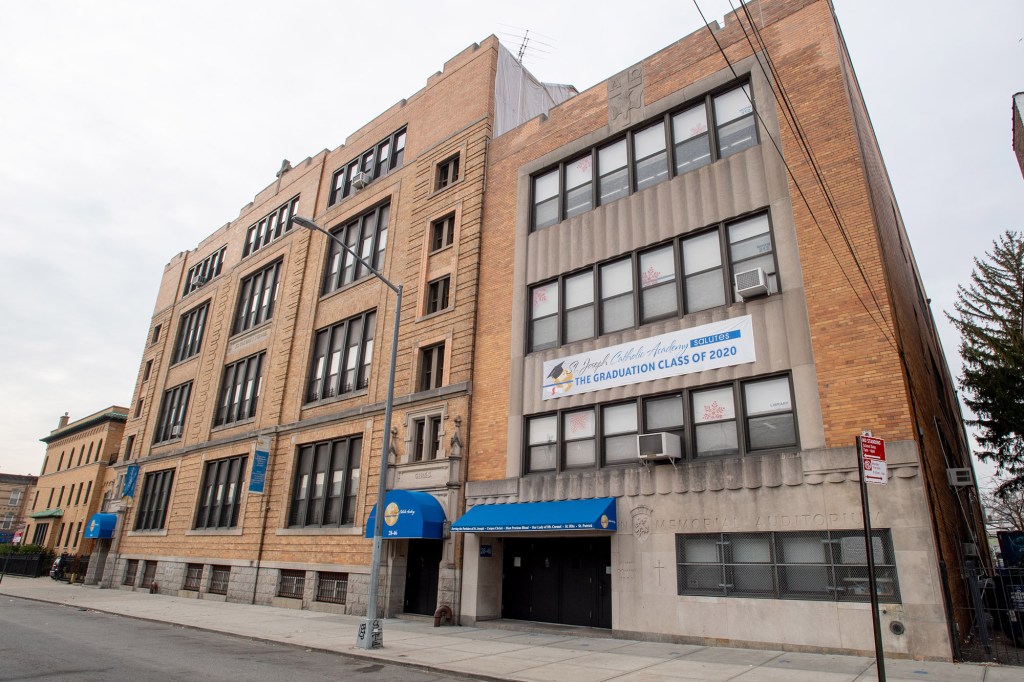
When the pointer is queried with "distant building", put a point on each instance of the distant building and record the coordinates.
(69, 488)
(14, 492)
(1018, 129)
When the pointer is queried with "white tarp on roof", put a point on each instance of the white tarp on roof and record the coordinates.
(518, 96)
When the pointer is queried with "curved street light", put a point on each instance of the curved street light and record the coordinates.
(371, 632)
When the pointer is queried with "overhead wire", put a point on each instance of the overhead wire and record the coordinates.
(885, 332)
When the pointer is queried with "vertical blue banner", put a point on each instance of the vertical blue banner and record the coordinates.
(260, 460)
(131, 477)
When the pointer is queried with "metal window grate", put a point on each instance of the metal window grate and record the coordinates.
(193, 577)
(292, 584)
(219, 580)
(148, 574)
(332, 588)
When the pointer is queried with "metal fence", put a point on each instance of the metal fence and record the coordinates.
(994, 618)
(27, 565)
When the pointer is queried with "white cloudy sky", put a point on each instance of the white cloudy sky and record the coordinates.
(131, 130)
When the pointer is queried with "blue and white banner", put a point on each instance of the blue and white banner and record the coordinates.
(710, 346)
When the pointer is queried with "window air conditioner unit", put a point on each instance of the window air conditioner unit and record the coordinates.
(175, 431)
(198, 280)
(960, 478)
(360, 180)
(751, 283)
(656, 446)
(970, 549)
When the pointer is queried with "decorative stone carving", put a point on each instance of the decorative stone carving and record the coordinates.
(625, 98)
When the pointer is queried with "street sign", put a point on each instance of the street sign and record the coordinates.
(872, 456)
(17, 538)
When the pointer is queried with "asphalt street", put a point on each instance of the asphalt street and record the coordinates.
(41, 641)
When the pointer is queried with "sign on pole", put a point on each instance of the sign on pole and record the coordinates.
(872, 451)
(17, 538)
(260, 459)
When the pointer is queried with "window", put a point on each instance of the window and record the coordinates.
(193, 577)
(829, 565)
(15, 497)
(146, 371)
(8, 521)
(190, 333)
(270, 227)
(366, 235)
(156, 492)
(292, 584)
(35, 500)
(442, 232)
(750, 246)
(427, 438)
(736, 128)
(60, 534)
(128, 447)
(221, 493)
(88, 491)
(437, 294)
(148, 574)
(684, 276)
(769, 410)
(138, 409)
(78, 533)
(171, 422)
(326, 483)
(220, 576)
(257, 298)
(641, 158)
(240, 390)
(39, 534)
(431, 367)
(60, 497)
(383, 157)
(156, 334)
(447, 172)
(78, 497)
(202, 272)
(60, 462)
(131, 568)
(606, 434)
(71, 494)
(332, 587)
(341, 358)
(616, 296)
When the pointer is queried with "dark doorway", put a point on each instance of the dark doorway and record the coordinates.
(424, 560)
(558, 580)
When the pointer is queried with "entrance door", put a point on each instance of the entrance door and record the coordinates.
(424, 560)
(558, 580)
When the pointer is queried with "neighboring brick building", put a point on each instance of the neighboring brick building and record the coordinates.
(68, 491)
(265, 334)
(665, 274)
(14, 494)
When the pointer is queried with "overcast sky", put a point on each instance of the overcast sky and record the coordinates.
(132, 130)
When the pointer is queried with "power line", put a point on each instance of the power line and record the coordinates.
(885, 333)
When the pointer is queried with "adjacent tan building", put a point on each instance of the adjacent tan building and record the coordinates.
(70, 485)
(14, 496)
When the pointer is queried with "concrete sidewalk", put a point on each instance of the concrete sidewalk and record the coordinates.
(499, 654)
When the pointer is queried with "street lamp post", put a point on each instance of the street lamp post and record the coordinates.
(371, 632)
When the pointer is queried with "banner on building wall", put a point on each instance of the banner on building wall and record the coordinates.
(710, 346)
(260, 459)
(131, 478)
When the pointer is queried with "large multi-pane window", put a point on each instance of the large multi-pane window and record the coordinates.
(190, 333)
(706, 421)
(715, 127)
(240, 390)
(823, 566)
(366, 235)
(379, 159)
(257, 297)
(156, 492)
(203, 271)
(221, 493)
(685, 275)
(171, 421)
(270, 227)
(342, 355)
(326, 483)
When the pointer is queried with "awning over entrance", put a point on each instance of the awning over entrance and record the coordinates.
(409, 514)
(101, 527)
(598, 514)
(47, 513)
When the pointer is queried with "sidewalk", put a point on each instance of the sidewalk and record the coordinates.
(499, 654)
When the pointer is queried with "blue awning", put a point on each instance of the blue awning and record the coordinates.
(101, 527)
(598, 514)
(409, 514)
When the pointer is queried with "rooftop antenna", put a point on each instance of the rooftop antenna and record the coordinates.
(522, 46)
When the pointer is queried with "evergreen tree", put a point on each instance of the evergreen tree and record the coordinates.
(990, 319)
